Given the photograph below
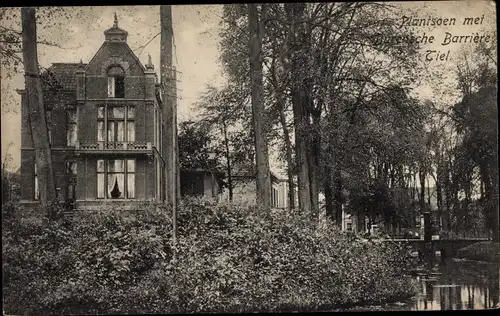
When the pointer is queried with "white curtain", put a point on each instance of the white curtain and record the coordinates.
(111, 87)
(72, 134)
(131, 112)
(131, 131)
(131, 179)
(113, 179)
(100, 112)
(100, 185)
(119, 131)
(131, 185)
(37, 191)
(118, 112)
(111, 131)
(100, 179)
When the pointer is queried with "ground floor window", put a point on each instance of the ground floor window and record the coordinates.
(274, 197)
(349, 226)
(37, 189)
(116, 179)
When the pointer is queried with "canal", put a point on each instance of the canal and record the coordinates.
(453, 285)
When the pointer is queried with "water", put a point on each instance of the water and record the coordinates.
(454, 285)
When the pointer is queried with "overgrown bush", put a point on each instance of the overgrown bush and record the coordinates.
(483, 251)
(227, 259)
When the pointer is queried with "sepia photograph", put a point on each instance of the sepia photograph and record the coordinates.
(249, 158)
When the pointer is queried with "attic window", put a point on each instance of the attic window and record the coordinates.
(116, 82)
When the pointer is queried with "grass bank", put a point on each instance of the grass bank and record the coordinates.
(229, 259)
(482, 251)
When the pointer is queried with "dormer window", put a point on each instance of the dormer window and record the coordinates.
(116, 82)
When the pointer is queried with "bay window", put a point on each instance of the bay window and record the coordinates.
(71, 169)
(116, 179)
(115, 123)
(71, 136)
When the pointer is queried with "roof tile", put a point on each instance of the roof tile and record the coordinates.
(60, 76)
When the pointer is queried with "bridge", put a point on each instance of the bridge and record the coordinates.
(447, 247)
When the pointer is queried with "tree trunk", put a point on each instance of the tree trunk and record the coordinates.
(177, 169)
(228, 164)
(295, 11)
(421, 177)
(36, 108)
(313, 162)
(289, 158)
(170, 128)
(337, 195)
(301, 155)
(167, 97)
(329, 199)
(439, 195)
(258, 111)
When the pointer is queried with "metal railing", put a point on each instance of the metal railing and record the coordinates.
(119, 145)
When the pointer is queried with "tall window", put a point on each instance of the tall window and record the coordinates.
(274, 197)
(116, 179)
(116, 123)
(37, 189)
(116, 82)
(71, 167)
(71, 135)
(349, 226)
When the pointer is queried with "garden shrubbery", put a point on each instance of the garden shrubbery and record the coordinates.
(228, 259)
(483, 251)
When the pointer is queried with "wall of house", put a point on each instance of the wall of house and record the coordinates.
(86, 187)
(57, 102)
(93, 91)
(282, 188)
(59, 158)
(243, 192)
(211, 186)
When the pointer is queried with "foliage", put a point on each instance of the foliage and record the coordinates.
(194, 150)
(11, 190)
(483, 251)
(228, 259)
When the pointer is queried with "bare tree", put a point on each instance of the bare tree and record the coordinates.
(36, 109)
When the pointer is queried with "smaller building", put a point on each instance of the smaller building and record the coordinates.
(201, 183)
(244, 177)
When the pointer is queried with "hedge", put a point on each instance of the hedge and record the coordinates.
(228, 258)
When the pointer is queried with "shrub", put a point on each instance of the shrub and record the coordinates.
(481, 251)
(227, 259)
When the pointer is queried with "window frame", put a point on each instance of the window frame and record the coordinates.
(71, 122)
(113, 82)
(71, 178)
(126, 173)
(36, 194)
(105, 121)
(349, 226)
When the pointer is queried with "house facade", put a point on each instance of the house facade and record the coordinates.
(105, 121)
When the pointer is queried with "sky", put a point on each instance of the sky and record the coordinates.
(196, 50)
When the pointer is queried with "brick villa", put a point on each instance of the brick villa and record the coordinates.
(105, 121)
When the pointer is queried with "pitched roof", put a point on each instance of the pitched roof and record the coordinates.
(246, 170)
(60, 76)
(250, 171)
